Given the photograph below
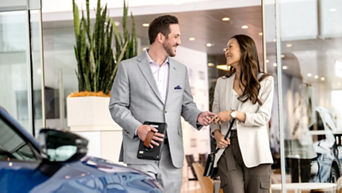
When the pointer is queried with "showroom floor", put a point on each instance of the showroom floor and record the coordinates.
(190, 187)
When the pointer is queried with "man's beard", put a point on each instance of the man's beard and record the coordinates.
(168, 50)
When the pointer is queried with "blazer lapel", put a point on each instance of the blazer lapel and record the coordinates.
(145, 69)
(172, 79)
(229, 92)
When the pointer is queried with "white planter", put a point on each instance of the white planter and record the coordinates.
(90, 117)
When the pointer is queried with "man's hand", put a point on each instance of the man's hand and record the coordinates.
(144, 129)
(204, 118)
(221, 117)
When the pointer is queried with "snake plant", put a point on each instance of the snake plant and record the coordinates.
(97, 59)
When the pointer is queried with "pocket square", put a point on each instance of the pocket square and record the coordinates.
(178, 87)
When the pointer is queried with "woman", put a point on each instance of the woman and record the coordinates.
(245, 94)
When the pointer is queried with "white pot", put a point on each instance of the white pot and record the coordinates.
(89, 116)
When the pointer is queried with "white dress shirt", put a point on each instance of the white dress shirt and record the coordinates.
(161, 75)
(235, 105)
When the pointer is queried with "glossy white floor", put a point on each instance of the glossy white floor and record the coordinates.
(189, 186)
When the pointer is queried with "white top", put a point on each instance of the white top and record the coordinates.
(235, 105)
(160, 75)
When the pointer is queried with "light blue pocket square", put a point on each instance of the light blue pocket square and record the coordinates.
(178, 87)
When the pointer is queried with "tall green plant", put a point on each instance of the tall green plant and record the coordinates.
(96, 60)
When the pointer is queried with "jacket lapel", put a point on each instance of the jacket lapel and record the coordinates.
(172, 80)
(145, 69)
(229, 92)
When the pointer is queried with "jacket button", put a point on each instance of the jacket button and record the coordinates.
(165, 111)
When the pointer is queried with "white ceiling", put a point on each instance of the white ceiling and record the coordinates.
(206, 26)
(316, 51)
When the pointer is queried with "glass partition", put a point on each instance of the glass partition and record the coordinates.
(309, 58)
(20, 63)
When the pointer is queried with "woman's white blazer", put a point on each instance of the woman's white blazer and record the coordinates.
(253, 135)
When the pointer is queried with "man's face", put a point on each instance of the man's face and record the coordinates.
(172, 40)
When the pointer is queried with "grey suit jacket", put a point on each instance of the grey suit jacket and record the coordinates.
(135, 98)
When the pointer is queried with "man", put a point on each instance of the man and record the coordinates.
(154, 87)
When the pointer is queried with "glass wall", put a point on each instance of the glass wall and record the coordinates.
(20, 65)
(308, 53)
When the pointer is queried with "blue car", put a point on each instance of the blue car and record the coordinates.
(59, 164)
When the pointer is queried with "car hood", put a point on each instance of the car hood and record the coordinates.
(105, 166)
(92, 174)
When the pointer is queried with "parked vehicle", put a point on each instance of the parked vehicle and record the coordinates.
(327, 167)
(58, 164)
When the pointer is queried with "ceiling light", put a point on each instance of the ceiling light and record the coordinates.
(244, 27)
(282, 55)
(225, 19)
(316, 76)
(145, 24)
(209, 44)
(285, 67)
(275, 64)
(192, 38)
(223, 67)
(322, 78)
(332, 10)
(267, 61)
(309, 74)
(288, 45)
(144, 48)
(260, 33)
(211, 64)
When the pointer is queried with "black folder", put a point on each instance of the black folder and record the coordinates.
(151, 153)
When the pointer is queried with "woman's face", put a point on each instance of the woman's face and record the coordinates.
(233, 53)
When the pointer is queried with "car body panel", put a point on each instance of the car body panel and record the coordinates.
(19, 176)
(96, 175)
(88, 174)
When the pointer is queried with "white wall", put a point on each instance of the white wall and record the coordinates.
(196, 142)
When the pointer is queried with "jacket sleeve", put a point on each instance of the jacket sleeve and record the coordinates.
(119, 102)
(263, 114)
(189, 110)
(216, 104)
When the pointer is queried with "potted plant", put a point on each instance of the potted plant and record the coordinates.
(98, 50)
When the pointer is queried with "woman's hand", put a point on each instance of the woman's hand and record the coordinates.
(222, 117)
(220, 141)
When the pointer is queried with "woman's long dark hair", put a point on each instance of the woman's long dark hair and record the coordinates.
(249, 63)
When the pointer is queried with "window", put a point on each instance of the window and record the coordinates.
(13, 147)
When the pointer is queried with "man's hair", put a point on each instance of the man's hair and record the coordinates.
(161, 24)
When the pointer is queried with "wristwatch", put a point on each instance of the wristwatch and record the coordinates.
(233, 114)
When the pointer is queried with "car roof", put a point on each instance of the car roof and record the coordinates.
(19, 129)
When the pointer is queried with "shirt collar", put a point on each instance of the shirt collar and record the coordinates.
(151, 61)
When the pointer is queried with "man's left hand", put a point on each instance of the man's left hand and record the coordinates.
(204, 118)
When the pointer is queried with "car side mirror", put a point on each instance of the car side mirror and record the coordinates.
(62, 146)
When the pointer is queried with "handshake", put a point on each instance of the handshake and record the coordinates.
(205, 118)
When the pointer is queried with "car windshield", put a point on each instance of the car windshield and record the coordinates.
(13, 147)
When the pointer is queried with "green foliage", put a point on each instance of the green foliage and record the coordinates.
(96, 61)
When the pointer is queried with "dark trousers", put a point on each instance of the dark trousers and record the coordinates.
(236, 177)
